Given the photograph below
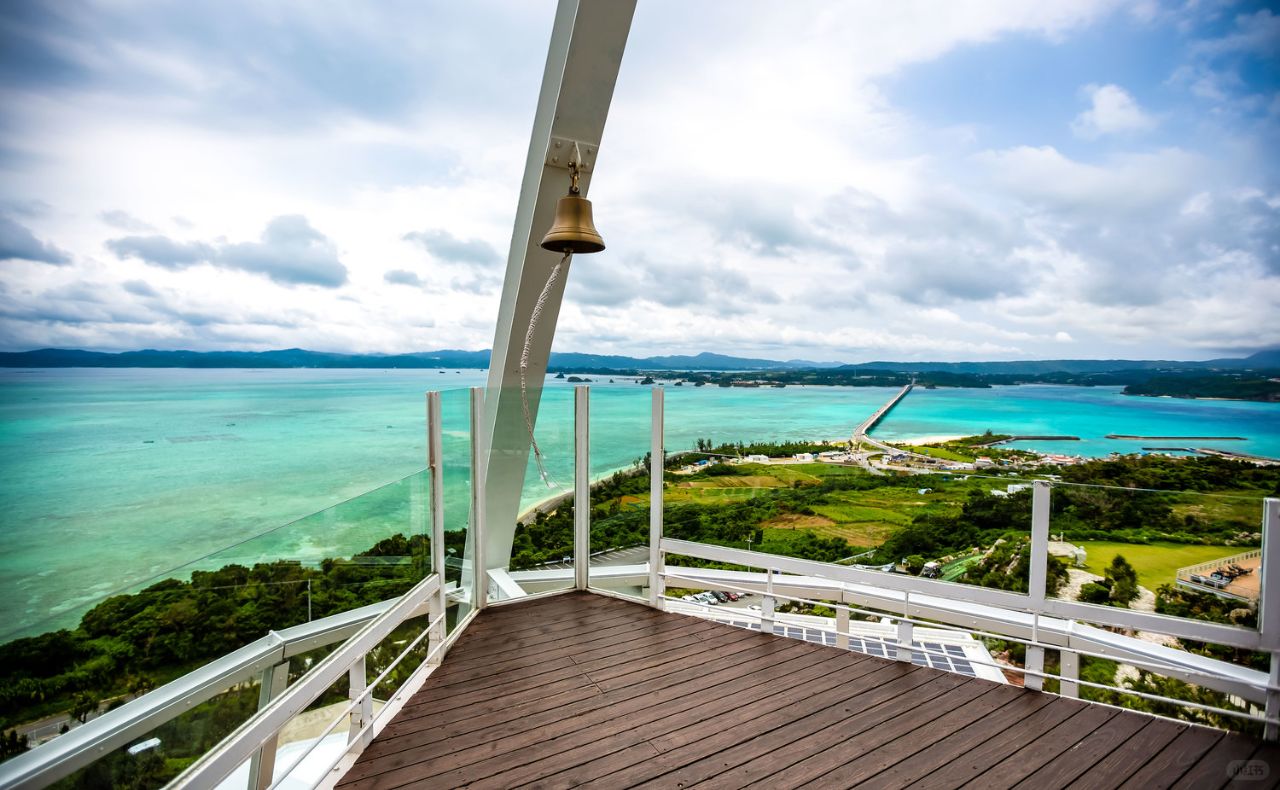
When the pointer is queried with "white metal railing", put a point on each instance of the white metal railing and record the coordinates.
(1030, 618)
(84, 745)
(348, 659)
(1215, 564)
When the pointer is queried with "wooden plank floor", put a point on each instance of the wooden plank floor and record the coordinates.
(584, 690)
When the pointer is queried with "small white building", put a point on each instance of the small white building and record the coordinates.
(758, 459)
(804, 458)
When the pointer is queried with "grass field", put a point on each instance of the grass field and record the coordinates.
(864, 534)
(939, 452)
(1243, 508)
(864, 519)
(1156, 563)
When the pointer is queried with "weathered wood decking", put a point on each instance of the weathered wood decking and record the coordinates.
(582, 689)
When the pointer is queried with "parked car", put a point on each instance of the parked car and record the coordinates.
(733, 596)
(721, 597)
(689, 598)
(707, 598)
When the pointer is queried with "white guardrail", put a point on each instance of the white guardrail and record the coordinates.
(1031, 618)
(267, 659)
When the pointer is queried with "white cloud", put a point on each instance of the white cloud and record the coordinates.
(760, 194)
(1112, 111)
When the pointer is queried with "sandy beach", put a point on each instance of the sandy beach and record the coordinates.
(918, 440)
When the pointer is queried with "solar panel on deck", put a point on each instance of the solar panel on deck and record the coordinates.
(948, 658)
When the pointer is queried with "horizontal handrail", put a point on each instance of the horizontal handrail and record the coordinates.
(954, 609)
(1049, 632)
(1215, 564)
(1199, 630)
(359, 700)
(88, 743)
(240, 745)
(1024, 671)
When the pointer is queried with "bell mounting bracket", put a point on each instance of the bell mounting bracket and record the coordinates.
(563, 150)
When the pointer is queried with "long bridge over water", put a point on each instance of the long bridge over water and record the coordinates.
(866, 425)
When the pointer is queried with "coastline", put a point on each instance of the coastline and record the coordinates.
(553, 501)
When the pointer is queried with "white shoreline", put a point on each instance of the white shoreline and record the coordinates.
(927, 439)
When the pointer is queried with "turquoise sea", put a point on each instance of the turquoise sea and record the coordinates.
(110, 477)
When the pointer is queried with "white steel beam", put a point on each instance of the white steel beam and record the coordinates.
(587, 41)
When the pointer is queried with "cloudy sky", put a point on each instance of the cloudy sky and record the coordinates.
(912, 180)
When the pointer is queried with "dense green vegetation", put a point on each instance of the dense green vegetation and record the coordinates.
(1007, 566)
(1182, 383)
(1236, 386)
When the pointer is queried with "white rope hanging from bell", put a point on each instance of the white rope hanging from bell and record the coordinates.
(524, 367)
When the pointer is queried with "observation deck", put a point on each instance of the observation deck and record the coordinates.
(583, 690)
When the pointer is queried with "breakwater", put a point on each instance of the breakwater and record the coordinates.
(1177, 438)
(1029, 439)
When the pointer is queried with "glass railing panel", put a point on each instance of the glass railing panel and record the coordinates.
(455, 455)
(1194, 554)
(362, 551)
(541, 555)
(961, 528)
(620, 448)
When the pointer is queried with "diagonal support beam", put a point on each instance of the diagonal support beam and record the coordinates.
(587, 42)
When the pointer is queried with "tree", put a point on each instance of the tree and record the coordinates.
(1093, 592)
(1123, 581)
(915, 564)
(12, 744)
(83, 704)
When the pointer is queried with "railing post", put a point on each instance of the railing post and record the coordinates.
(1273, 699)
(362, 713)
(263, 763)
(767, 604)
(1069, 669)
(1039, 543)
(479, 571)
(657, 466)
(581, 486)
(906, 630)
(1269, 616)
(842, 627)
(435, 472)
(1037, 579)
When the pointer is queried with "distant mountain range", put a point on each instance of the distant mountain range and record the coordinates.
(570, 362)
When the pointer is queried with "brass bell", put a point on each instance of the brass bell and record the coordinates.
(574, 231)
